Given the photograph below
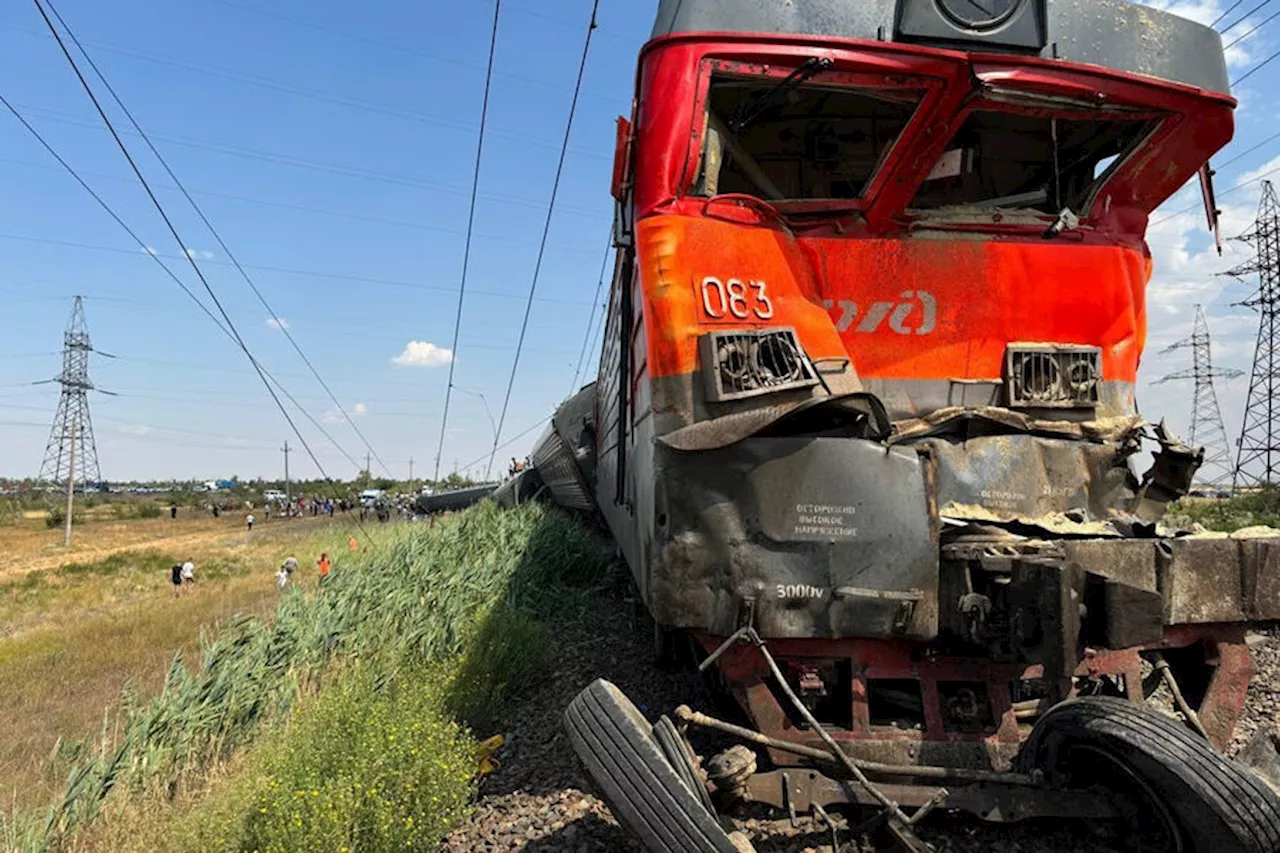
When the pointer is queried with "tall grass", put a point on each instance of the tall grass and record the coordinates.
(470, 589)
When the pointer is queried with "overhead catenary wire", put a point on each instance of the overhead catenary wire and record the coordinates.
(178, 238)
(546, 230)
(1250, 32)
(165, 267)
(471, 223)
(1255, 69)
(354, 172)
(280, 324)
(1229, 10)
(1238, 21)
(591, 319)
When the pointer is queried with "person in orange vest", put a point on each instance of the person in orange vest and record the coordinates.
(324, 566)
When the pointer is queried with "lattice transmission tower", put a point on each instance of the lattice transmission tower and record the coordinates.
(1206, 418)
(71, 456)
(1258, 452)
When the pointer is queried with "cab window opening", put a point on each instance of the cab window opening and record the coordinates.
(1037, 163)
(813, 141)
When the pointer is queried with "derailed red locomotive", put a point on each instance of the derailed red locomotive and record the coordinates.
(865, 422)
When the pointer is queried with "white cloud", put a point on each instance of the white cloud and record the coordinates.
(277, 323)
(136, 429)
(423, 354)
(335, 416)
(199, 254)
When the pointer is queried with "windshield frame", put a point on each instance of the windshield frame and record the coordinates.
(1009, 100)
(842, 74)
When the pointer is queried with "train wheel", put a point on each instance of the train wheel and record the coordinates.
(1174, 792)
(645, 792)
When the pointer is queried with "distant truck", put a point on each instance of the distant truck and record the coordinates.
(369, 497)
(274, 495)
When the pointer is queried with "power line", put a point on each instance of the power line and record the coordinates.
(1230, 9)
(158, 260)
(1244, 17)
(546, 229)
(318, 95)
(353, 172)
(283, 327)
(1255, 69)
(471, 222)
(1220, 195)
(360, 279)
(591, 319)
(213, 231)
(1252, 31)
(230, 326)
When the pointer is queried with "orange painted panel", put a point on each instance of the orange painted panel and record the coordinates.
(701, 275)
(947, 308)
(899, 308)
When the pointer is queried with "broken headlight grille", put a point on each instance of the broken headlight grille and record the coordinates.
(745, 363)
(1052, 375)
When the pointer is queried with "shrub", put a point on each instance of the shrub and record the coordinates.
(372, 765)
(10, 511)
(56, 516)
(149, 510)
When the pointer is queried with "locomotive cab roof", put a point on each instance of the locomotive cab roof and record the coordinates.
(1115, 34)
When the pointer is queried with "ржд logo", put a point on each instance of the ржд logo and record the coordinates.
(916, 314)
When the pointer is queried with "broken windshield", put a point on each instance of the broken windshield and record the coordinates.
(1000, 159)
(800, 142)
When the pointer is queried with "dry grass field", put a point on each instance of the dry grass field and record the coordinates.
(78, 625)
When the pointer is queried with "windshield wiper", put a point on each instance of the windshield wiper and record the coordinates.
(744, 115)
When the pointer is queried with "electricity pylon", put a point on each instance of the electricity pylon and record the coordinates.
(1206, 418)
(71, 453)
(1258, 452)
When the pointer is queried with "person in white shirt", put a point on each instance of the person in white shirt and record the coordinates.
(249, 521)
(188, 572)
(282, 578)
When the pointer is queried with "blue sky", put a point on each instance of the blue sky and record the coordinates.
(334, 153)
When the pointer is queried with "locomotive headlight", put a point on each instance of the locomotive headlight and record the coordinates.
(1052, 375)
(749, 362)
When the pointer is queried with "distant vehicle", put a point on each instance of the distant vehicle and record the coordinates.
(274, 495)
(371, 496)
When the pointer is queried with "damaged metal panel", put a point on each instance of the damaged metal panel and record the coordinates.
(1029, 477)
(1261, 579)
(808, 530)
(1200, 580)
(565, 456)
(1131, 562)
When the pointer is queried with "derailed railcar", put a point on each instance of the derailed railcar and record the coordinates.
(865, 417)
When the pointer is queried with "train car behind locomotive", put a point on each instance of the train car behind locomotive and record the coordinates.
(865, 420)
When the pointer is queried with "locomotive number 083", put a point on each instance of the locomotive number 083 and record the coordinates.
(735, 299)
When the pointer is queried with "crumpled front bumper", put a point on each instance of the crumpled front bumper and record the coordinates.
(835, 537)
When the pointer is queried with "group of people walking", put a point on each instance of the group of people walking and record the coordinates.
(285, 573)
(183, 575)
